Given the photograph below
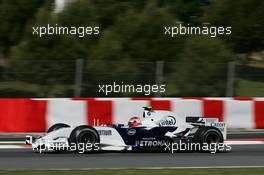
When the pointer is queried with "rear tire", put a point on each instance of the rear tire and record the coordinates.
(57, 126)
(86, 138)
(210, 136)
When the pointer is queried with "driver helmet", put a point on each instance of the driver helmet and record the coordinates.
(134, 122)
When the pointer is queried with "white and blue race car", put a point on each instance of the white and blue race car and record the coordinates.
(156, 129)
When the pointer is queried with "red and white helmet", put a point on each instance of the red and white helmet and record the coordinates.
(134, 122)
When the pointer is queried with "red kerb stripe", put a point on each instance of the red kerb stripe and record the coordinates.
(213, 109)
(22, 115)
(99, 110)
(259, 114)
(161, 104)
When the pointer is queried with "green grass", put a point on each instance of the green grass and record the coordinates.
(250, 80)
(24, 89)
(249, 88)
(235, 171)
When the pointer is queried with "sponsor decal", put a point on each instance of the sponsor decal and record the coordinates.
(170, 121)
(219, 125)
(131, 132)
(149, 113)
(105, 132)
(150, 143)
(148, 138)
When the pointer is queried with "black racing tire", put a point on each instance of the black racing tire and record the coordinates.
(83, 135)
(57, 126)
(204, 135)
(208, 135)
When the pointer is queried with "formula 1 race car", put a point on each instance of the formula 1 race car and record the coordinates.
(156, 129)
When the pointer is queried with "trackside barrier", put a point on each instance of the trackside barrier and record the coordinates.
(36, 115)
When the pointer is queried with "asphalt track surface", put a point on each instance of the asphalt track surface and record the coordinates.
(231, 135)
(239, 156)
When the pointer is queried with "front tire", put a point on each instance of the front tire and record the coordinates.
(86, 139)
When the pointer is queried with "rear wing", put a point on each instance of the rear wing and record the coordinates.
(202, 121)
